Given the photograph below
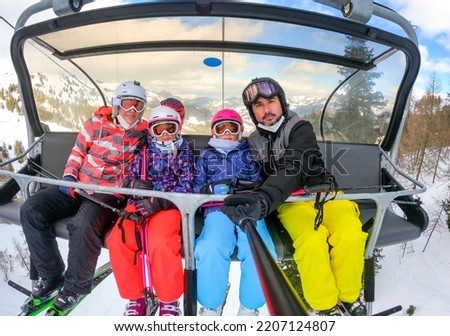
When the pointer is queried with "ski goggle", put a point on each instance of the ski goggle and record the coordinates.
(164, 128)
(264, 88)
(129, 103)
(222, 127)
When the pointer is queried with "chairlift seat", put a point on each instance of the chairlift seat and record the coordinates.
(357, 168)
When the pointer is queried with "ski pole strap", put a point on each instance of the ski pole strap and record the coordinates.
(139, 220)
(137, 235)
(122, 230)
(318, 204)
(321, 200)
(123, 215)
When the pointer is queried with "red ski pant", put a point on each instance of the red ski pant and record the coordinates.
(163, 246)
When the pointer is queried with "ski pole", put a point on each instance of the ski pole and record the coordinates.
(146, 278)
(281, 297)
(84, 194)
(149, 295)
(136, 218)
(43, 171)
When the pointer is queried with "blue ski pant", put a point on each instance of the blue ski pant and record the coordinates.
(213, 250)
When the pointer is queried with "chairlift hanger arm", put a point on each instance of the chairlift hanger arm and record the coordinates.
(363, 10)
(60, 8)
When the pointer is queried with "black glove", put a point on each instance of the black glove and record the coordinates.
(149, 206)
(138, 184)
(245, 205)
(69, 191)
(243, 186)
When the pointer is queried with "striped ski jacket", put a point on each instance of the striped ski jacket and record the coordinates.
(104, 150)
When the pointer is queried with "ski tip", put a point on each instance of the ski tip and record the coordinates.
(389, 311)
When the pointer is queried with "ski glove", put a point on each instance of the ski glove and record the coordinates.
(138, 184)
(149, 206)
(69, 191)
(251, 205)
(222, 187)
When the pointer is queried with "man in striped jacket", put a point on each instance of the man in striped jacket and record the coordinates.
(102, 155)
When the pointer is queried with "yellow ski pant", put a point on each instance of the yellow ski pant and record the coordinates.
(331, 259)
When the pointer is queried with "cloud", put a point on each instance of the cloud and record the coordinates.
(430, 17)
(10, 13)
(439, 65)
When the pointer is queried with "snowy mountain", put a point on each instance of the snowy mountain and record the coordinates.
(62, 100)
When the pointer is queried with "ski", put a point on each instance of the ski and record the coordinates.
(386, 312)
(20, 288)
(100, 274)
(389, 311)
(35, 306)
(32, 306)
(343, 309)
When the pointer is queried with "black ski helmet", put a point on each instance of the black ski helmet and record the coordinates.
(265, 87)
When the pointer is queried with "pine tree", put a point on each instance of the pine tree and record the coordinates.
(446, 209)
(358, 106)
(5, 152)
(19, 149)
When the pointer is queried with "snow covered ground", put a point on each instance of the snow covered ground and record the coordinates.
(105, 301)
(407, 278)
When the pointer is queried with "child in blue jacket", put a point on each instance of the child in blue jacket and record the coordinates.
(224, 161)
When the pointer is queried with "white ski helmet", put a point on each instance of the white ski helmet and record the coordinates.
(129, 89)
(163, 114)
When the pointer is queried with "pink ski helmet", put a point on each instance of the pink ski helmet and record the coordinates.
(227, 115)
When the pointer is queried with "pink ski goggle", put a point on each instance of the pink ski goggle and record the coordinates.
(222, 127)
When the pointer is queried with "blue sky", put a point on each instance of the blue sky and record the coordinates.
(433, 30)
(430, 17)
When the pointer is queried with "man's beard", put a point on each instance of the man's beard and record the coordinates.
(271, 123)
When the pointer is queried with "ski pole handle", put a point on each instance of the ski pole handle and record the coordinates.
(244, 218)
(135, 218)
